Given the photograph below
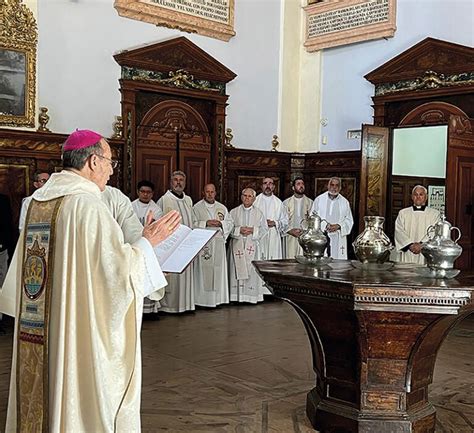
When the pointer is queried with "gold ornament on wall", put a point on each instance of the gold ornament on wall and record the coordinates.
(18, 41)
(275, 143)
(118, 128)
(228, 138)
(43, 119)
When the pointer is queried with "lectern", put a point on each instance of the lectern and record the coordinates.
(374, 337)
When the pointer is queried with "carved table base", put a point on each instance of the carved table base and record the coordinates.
(374, 340)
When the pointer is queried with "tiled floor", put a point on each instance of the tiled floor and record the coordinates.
(247, 369)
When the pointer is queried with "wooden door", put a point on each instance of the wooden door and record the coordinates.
(173, 136)
(373, 172)
(460, 185)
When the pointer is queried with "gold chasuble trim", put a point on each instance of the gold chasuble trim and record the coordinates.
(33, 318)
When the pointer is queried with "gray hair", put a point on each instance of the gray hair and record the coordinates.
(178, 173)
(254, 193)
(419, 186)
(77, 158)
(335, 178)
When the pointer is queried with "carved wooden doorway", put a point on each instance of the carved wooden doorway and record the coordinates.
(173, 110)
(173, 136)
(429, 84)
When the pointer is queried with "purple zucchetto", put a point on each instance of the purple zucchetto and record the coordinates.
(80, 139)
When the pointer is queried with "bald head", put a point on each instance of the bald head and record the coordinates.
(209, 193)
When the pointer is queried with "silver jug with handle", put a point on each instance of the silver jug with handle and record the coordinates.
(313, 240)
(440, 250)
(372, 245)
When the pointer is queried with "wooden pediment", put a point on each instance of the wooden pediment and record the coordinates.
(429, 55)
(176, 54)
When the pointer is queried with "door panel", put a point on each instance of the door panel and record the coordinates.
(460, 185)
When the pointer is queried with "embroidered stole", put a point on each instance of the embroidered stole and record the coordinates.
(243, 256)
(33, 317)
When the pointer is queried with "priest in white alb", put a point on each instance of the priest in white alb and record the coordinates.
(250, 229)
(127, 218)
(76, 363)
(144, 205)
(210, 267)
(298, 207)
(179, 296)
(336, 211)
(411, 227)
(277, 221)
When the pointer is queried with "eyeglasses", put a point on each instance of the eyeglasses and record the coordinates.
(145, 191)
(113, 162)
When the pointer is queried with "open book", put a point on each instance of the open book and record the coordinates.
(179, 250)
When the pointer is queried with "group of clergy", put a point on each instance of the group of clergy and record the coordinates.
(261, 228)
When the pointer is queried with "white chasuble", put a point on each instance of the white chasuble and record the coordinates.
(273, 209)
(245, 284)
(95, 314)
(335, 211)
(211, 281)
(123, 212)
(297, 209)
(179, 296)
(411, 226)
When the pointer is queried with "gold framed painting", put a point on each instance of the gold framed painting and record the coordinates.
(18, 40)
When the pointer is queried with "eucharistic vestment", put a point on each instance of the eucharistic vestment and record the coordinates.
(297, 209)
(76, 363)
(272, 209)
(245, 284)
(179, 296)
(210, 267)
(335, 211)
(411, 226)
(124, 213)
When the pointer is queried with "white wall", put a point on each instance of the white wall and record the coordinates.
(78, 77)
(346, 95)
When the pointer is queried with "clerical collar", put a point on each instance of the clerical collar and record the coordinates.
(247, 208)
(419, 208)
(177, 195)
(207, 204)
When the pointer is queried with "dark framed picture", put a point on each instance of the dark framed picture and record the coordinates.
(12, 83)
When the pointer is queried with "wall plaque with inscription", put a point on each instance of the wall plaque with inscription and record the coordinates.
(214, 18)
(332, 23)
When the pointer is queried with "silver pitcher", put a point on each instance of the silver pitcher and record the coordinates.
(313, 240)
(440, 250)
(372, 245)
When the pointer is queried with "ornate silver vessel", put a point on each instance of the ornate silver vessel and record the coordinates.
(372, 245)
(440, 250)
(313, 240)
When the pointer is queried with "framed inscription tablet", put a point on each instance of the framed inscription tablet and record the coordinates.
(214, 18)
(332, 22)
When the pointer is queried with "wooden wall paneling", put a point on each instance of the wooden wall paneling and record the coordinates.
(196, 166)
(247, 168)
(460, 185)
